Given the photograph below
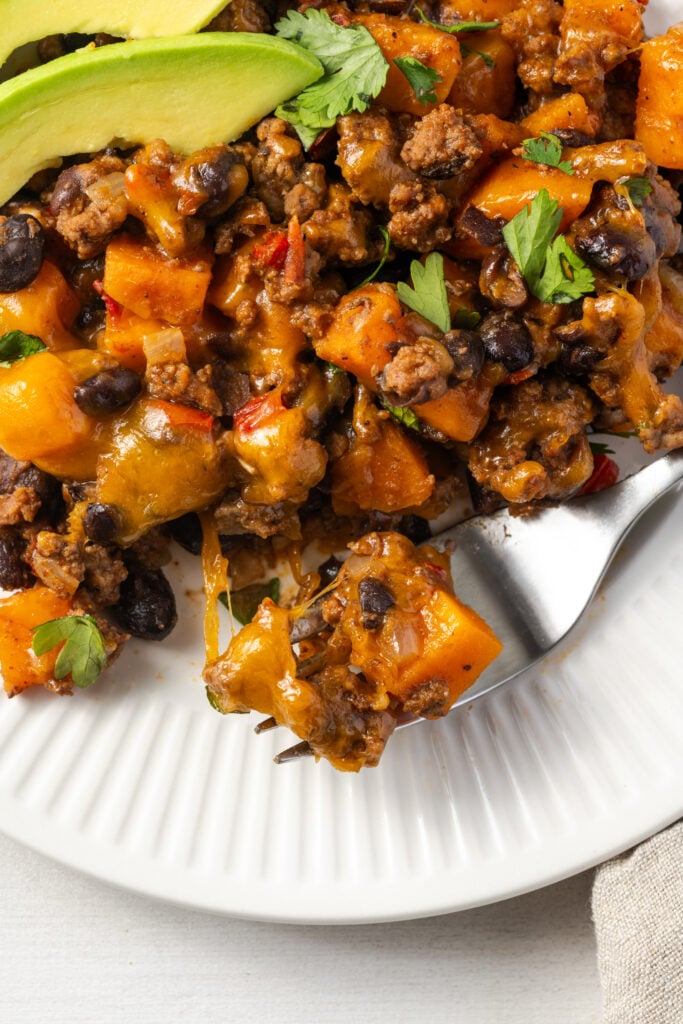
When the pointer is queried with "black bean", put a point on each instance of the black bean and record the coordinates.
(22, 241)
(415, 528)
(500, 280)
(328, 571)
(467, 352)
(507, 340)
(187, 531)
(632, 254)
(14, 572)
(146, 607)
(107, 391)
(484, 229)
(15, 474)
(375, 601)
(572, 137)
(580, 358)
(214, 176)
(101, 522)
(67, 189)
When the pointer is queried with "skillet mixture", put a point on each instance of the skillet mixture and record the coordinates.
(327, 331)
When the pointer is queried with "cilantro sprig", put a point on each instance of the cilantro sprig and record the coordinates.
(638, 189)
(428, 295)
(552, 270)
(422, 78)
(354, 71)
(83, 655)
(16, 345)
(244, 602)
(458, 26)
(547, 149)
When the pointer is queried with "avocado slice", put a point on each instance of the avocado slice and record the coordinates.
(26, 21)
(191, 91)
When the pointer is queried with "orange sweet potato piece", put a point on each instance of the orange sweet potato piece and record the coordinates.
(567, 111)
(19, 613)
(272, 442)
(483, 87)
(428, 638)
(124, 335)
(384, 468)
(154, 286)
(403, 38)
(595, 36)
(39, 419)
(457, 646)
(659, 107)
(512, 184)
(47, 308)
(461, 413)
(365, 323)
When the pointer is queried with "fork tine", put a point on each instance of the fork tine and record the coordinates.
(266, 725)
(302, 749)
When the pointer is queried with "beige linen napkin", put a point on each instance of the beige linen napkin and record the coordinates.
(638, 915)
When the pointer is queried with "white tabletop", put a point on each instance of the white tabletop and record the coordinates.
(75, 951)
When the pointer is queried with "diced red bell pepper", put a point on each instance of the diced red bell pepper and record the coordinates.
(605, 473)
(183, 416)
(114, 308)
(272, 250)
(258, 411)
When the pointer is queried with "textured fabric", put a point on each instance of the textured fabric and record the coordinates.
(638, 915)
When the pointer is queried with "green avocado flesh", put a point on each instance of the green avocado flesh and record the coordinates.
(25, 21)
(192, 91)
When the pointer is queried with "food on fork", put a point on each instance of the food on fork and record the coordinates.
(424, 281)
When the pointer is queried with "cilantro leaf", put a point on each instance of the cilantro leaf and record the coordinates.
(422, 78)
(546, 150)
(529, 234)
(387, 246)
(428, 295)
(354, 71)
(600, 448)
(404, 414)
(552, 270)
(83, 655)
(565, 276)
(638, 189)
(459, 26)
(16, 345)
(245, 602)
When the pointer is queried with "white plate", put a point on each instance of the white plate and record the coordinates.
(140, 783)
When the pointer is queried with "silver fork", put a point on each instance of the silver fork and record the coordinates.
(532, 577)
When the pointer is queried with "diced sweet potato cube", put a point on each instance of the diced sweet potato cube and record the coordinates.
(486, 84)
(154, 286)
(19, 613)
(457, 645)
(387, 471)
(515, 182)
(567, 111)
(659, 109)
(47, 308)
(365, 324)
(404, 38)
